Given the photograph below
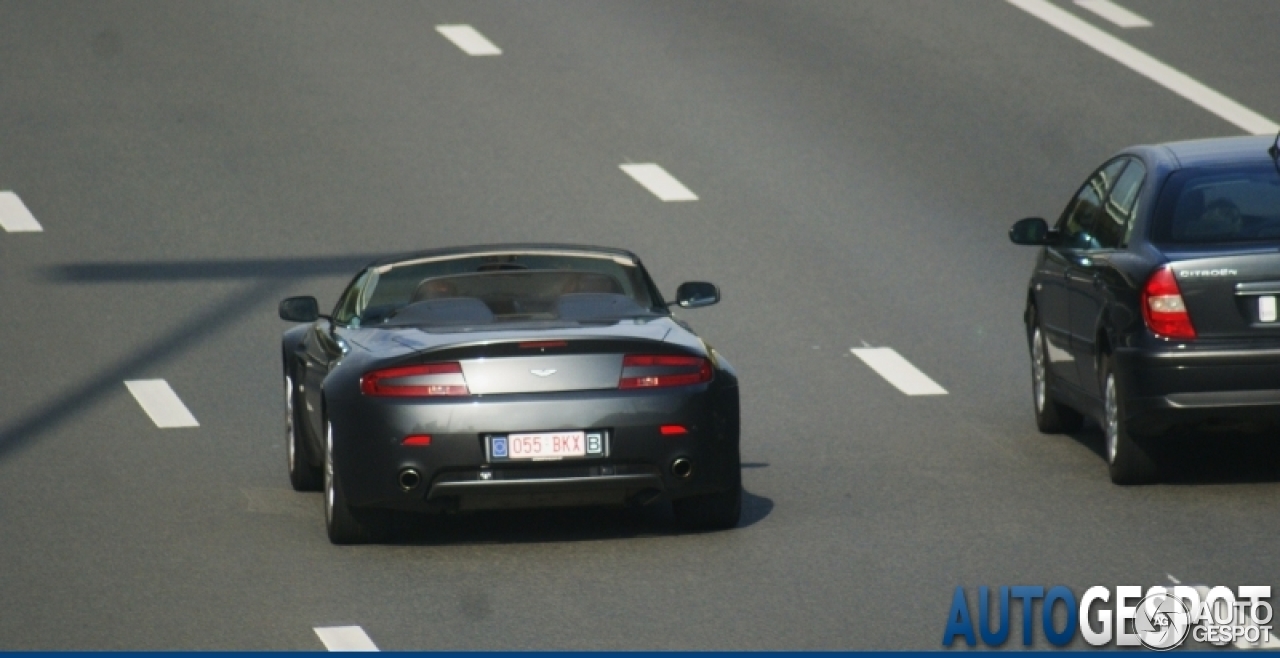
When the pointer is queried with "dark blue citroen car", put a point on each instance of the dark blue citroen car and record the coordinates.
(1153, 303)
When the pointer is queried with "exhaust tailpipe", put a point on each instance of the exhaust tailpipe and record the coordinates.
(682, 468)
(409, 479)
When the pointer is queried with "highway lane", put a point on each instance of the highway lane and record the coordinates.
(857, 165)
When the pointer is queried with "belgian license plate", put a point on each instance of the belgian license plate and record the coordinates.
(546, 445)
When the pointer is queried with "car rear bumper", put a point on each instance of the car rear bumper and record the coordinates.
(599, 488)
(455, 471)
(1169, 387)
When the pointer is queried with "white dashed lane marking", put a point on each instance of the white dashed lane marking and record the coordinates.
(469, 40)
(1159, 72)
(1114, 13)
(161, 403)
(659, 182)
(345, 638)
(14, 216)
(898, 371)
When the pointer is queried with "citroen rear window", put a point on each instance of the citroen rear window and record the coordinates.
(1213, 205)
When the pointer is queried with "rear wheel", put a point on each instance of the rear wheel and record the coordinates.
(345, 525)
(302, 475)
(716, 511)
(1052, 417)
(1128, 462)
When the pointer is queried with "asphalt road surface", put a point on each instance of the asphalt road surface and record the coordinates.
(856, 166)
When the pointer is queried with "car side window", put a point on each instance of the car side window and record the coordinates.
(1117, 217)
(1078, 225)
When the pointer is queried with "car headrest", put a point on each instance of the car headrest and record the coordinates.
(592, 282)
(447, 311)
(596, 305)
(434, 288)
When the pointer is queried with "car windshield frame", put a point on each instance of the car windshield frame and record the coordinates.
(516, 287)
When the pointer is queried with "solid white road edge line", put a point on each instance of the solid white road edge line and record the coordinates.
(14, 216)
(1159, 72)
(469, 40)
(161, 403)
(345, 638)
(898, 371)
(1114, 13)
(659, 182)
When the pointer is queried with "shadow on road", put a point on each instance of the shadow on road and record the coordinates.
(1227, 455)
(557, 525)
(256, 269)
(267, 279)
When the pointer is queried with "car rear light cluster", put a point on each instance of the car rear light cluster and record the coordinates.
(1163, 308)
(663, 370)
(425, 380)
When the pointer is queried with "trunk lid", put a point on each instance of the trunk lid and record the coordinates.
(577, 359)
(1231, 295)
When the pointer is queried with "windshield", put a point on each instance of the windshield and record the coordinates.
(1214, 205)
(503, 288)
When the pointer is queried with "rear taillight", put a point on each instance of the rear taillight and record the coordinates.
(1163, 308)
(426, 380)
(663, 370)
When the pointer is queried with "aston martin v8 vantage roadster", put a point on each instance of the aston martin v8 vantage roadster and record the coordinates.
(505, 377)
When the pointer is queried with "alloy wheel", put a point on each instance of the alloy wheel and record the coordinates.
(1112, 424)
(1038, 370)
(288, 423)
(328, 471)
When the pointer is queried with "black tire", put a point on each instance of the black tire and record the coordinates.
(1128, 461)
(1052, 417)
(343, 524)
(716, 511)
(302, 474)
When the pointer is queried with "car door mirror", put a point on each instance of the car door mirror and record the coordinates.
(1030, 231)
(300, 309)
(696, 294)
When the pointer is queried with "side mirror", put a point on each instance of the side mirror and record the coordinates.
(300, 309)
(1032, 231)
(696, 294)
